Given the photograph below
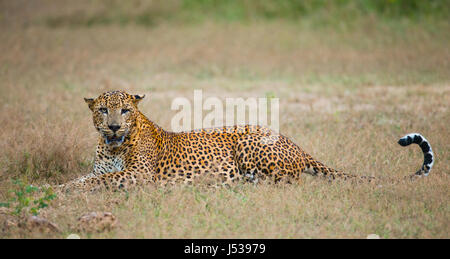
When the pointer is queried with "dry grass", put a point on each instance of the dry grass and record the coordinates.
(345, 97)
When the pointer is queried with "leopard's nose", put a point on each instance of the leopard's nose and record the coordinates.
(114, 127)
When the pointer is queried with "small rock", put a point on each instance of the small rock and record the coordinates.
(373, 236)
(96, 222)
(35, 223)
(73, 236)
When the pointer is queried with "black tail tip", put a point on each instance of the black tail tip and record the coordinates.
(411, 138)
(403, 142)
(416, 138)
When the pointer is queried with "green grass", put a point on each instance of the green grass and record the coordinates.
(317, 13)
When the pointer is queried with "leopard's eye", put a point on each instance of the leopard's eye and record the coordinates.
(125, 111)
(103, 110)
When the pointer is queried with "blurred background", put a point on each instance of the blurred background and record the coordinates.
(367, 42)
(153, 12)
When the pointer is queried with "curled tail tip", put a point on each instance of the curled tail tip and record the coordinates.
(411, 138)
(418, 139)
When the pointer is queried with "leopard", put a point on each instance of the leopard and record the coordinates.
(133, 151)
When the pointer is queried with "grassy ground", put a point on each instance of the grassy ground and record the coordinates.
(347, 93)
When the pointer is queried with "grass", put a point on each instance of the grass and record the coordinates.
(306, 12)
(347, 93)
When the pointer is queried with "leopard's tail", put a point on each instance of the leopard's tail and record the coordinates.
(428, 156)
(316, 168)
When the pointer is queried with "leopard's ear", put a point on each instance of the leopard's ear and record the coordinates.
(90, 102)
(137, 98)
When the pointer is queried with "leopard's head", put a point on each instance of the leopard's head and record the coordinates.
(114, 114)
